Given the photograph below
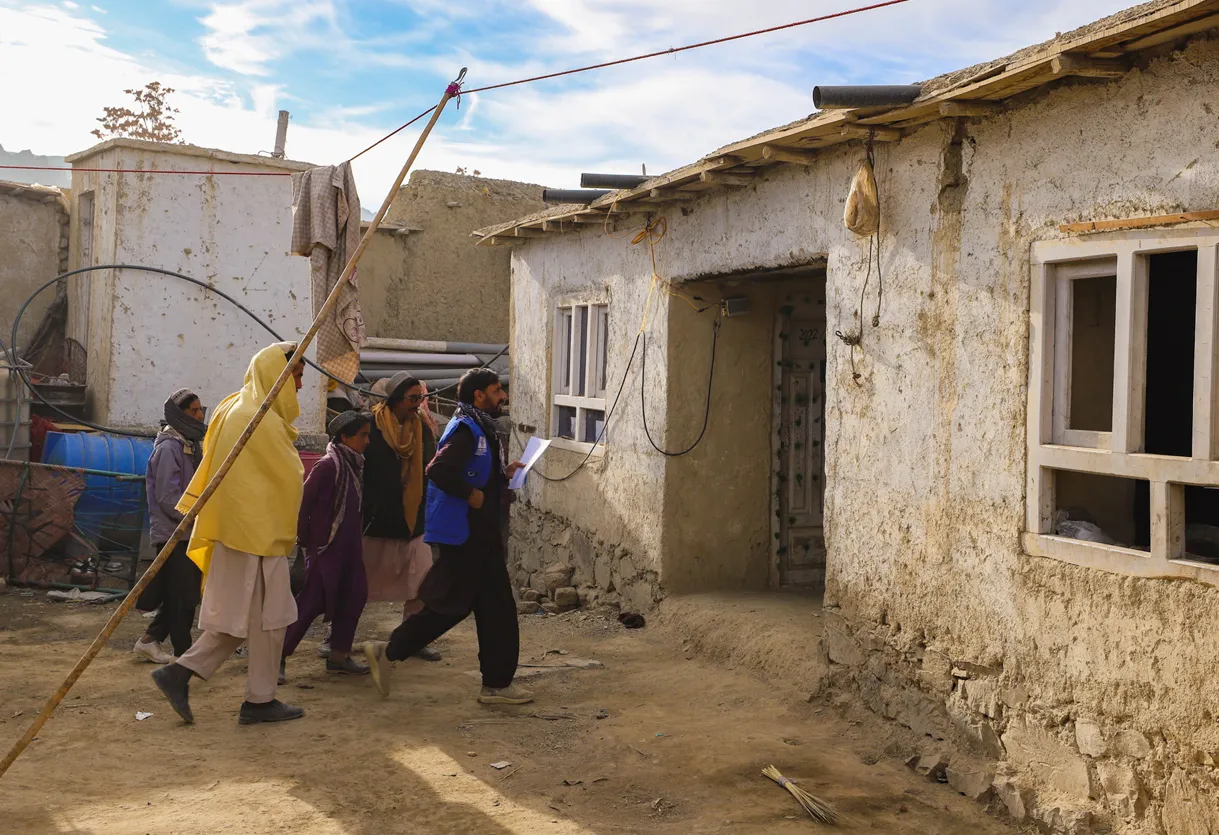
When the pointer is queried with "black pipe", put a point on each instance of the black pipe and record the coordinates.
(572, 195)
(613, 180)
(871, 95)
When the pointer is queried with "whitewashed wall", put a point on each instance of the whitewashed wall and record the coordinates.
(150, 334)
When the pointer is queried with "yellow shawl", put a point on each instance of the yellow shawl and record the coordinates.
(255, 508)
(405, 439)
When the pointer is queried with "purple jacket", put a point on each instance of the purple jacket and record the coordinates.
(170, 469)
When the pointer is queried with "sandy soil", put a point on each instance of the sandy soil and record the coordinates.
(680, 751)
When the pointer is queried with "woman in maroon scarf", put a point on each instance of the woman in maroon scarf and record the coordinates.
(329, 532)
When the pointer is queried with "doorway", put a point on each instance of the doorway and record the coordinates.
(798, 439)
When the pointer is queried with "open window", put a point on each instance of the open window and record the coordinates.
(581, 350)
(1123, 464)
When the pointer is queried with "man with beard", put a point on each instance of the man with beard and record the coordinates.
(467, 485)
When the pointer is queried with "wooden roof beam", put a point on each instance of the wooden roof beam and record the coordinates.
(777, 153)
(1182, 31)
(591, 217)
(670, 194)
(527, 232)
(734, 180)
(501, 240)
(1085, 67)
(875, 134)
(965, 109)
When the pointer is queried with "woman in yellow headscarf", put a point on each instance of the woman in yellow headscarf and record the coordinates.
(241, 540)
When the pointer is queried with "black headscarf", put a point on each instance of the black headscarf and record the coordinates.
(190, 431)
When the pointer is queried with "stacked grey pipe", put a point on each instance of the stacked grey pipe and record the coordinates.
(438, 364)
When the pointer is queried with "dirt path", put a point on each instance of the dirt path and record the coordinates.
(680, 751)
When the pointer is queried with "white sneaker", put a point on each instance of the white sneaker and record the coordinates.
(152, 651)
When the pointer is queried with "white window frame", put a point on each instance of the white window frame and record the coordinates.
(567, 371)
(1053, 446)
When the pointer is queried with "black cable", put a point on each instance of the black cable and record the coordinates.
(643, 402)
(605, 426)
(25, 377)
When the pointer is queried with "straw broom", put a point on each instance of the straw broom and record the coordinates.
(820, 811)
(188, 520)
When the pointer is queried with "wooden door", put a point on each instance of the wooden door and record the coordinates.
(800, 440)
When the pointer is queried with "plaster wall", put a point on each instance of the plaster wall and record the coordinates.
(431, 282)
(33, 250)
(1092, 690)
(148, 334)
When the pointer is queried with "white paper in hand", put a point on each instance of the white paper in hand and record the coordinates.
(533, 451)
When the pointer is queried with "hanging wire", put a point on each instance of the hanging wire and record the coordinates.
(24, 373)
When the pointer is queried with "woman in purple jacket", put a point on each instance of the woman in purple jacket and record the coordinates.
(336, 586)
(175, 591)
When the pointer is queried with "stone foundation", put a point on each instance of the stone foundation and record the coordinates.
(1048, 764)
(543, 546)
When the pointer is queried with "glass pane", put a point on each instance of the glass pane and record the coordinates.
(567, 423)
(1093, 318)
(581, 349)
(602, 346)
(594, 425)
(565, 349)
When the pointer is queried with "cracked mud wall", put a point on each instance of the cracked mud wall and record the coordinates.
(1090, 691)
(1091, 688)
(431, 282)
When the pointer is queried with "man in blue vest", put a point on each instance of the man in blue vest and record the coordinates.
(467, 487)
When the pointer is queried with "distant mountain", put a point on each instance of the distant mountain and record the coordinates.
(63, 179)
(364, 213)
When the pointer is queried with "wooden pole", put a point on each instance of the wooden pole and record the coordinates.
(188, 520)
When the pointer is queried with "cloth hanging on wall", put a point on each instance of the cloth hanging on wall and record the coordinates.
(326, 229)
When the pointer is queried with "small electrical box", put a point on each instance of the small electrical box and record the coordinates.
(738, 306)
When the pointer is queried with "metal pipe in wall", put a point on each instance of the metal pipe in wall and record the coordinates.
(612, 180)
(572, 195)
(870, 95)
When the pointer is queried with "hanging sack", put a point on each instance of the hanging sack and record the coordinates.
(862, 215)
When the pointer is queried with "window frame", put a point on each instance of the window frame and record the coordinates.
(1052, 446)
(568, 330)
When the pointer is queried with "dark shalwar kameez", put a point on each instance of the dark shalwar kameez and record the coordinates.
(335, 583)
(468, 578)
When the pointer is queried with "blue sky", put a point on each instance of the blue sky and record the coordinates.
(350, 70)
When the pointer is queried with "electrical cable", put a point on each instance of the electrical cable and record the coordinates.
(24, 374)
(671, 51)
(643, 403)
(604, 426)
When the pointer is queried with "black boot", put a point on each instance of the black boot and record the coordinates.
(272, 711)
(347, 666)
(173, 680)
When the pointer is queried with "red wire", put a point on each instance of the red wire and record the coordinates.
(149, 171)
(671, 51)
(677, 49)
(392, 133)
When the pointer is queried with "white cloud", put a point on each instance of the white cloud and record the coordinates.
(245, 37)
(664, 112)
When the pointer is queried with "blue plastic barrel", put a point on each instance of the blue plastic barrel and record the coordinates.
(106, 499)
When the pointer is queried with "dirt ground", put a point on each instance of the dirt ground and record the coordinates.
(680, 749)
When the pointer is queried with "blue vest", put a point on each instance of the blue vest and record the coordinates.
(447, 520)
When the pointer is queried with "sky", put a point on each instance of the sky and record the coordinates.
(350, 71)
